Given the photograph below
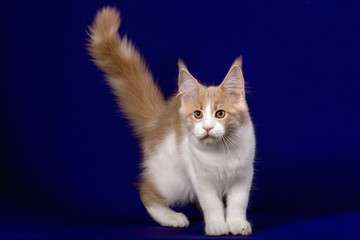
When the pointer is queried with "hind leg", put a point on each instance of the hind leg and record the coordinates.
(157, 207)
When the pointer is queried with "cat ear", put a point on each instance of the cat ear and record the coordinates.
(234, 84)
(188, 85)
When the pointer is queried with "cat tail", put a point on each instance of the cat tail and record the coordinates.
(138, 97)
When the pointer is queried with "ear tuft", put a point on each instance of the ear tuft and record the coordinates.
(238, 62)
(188, 85)
(234, 84)
(181, 64)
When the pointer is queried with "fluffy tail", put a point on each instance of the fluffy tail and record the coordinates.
(126, 72)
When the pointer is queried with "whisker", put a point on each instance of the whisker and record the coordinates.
(233, 145)
(232, 135)
(222, 149)
(226, 145)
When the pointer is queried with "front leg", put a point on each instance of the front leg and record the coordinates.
(213, 208)
(237, 202)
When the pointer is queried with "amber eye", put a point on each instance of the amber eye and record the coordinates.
(198, 114)
(220, 114)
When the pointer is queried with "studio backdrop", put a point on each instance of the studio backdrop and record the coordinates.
(65, 146)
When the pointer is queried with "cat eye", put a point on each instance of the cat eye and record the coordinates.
(220, 114)
(198, 114)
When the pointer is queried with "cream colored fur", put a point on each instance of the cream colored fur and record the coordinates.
(187, 157)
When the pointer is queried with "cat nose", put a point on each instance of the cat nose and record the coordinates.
(207, 129)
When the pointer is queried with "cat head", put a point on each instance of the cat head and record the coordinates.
(210, 114)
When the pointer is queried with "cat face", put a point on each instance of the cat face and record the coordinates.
(211, 114)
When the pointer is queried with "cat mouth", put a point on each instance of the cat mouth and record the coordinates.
(207, 136)
(208, 139)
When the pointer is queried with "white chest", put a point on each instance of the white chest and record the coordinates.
(176, 168)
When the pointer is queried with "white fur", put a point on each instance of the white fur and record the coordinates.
(191, 171)
(167, 217)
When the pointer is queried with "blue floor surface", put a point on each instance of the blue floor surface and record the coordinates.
(29, 224)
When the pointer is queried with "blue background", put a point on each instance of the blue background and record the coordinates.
(65, 148)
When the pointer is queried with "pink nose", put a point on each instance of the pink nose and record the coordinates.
(207, 129)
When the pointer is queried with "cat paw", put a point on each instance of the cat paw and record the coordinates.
(216, 228)
(167, 217)
(178, 220)
(242, 227)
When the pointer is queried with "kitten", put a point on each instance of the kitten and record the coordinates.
(198, 146)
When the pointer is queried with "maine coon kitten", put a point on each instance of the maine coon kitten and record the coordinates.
(198, 146)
